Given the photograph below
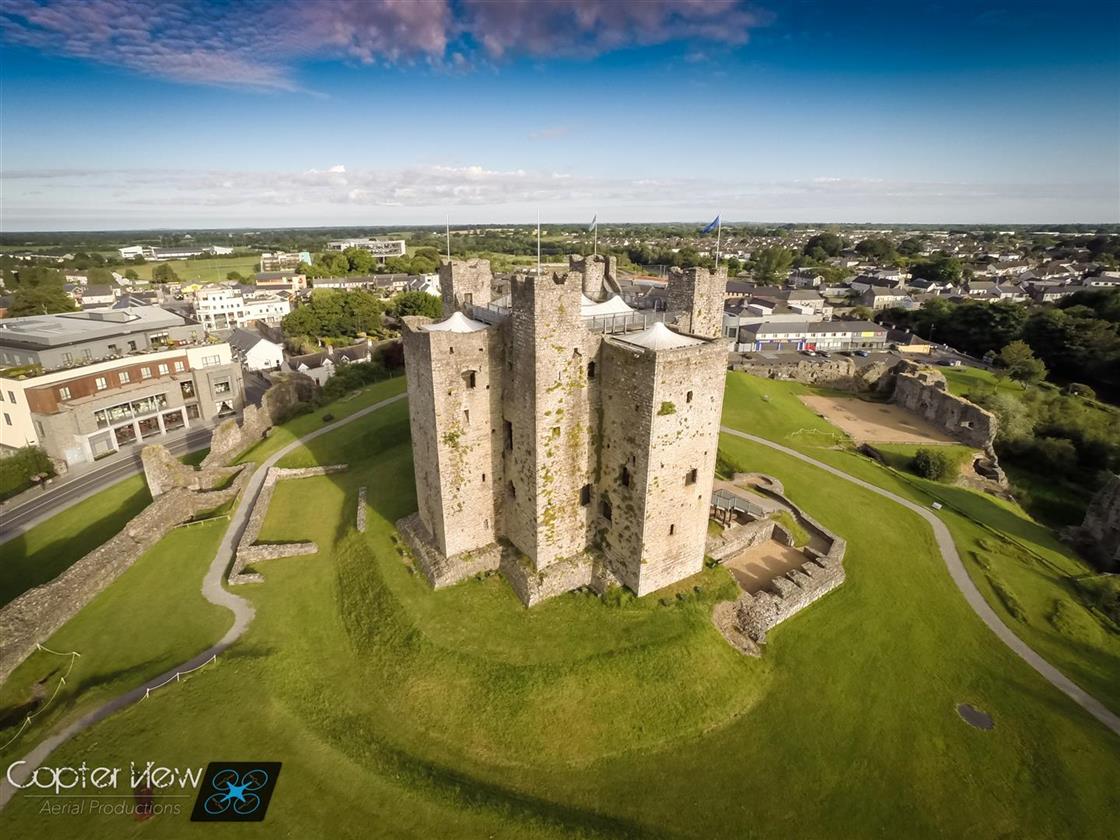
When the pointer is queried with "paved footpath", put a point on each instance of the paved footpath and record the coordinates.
(212, 591)
(964, 583)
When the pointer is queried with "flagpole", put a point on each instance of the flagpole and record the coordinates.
(719, 231)
(447, 223)
(538, 243)
(596, 232)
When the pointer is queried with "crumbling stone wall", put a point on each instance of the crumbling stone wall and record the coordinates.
(163, 472)
(924, 391)
(360, 521)
(838, 372)
(247, 549)
(32, 617)
(439, 569)
(1098, 535)
(739, 538)
(230, 439)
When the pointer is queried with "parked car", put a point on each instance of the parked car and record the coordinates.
(824, 354)
(863, 354)
(950, 362)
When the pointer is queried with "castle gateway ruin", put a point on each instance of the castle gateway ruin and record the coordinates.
(560, 435)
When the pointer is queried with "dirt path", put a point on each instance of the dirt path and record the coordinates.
(964, 583)
(212, 591)
(875, 422)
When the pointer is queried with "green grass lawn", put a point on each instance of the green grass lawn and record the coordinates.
(203, 271)
(42, 553)
(970, 380)
(402, 711)
(1004, 550)
(151, 618)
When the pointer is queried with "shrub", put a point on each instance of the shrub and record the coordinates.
(1008, 599)
(667, 408)
(932, 464)
(16, 470)
(1076, 389)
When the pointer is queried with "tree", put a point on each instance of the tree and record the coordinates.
(933, 464)
(234, 275)
(861, 313)
(130, 274)
(823, 245)
(878, 249)
(360, 260)
(40, 300)
(164, 273)
(940, 268)
(734, 266)
(417, 303)
(771, 263)
(1020, 362)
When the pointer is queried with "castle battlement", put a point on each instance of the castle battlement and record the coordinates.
(562, 427)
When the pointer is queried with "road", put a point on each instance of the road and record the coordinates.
(964, 583)
(33, 507)
(212, 591)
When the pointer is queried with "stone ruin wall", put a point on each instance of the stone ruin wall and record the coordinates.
(600, 274)
(460, 278)
(699, 294)
(32, 617)
(924, 392)
(1098, 535)
(247, 549)
(164, 472)
(230, 439)
(839, 372)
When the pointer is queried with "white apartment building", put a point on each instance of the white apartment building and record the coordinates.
(378, 247)
(220, 307)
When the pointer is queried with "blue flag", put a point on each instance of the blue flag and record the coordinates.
(712, 226)
(594, 223)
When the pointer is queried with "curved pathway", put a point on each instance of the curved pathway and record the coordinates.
(964, 583)
(212, 591)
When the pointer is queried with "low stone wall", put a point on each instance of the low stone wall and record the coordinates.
(32, 617)
(786, 596)
(838, 372)
(230, 439)
(443, 571)
(163, 472)
(745, 622)
(739, 537)
(360, 524)
(247, 550)
(924, 391)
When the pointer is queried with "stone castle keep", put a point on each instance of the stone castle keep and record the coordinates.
(560, 435)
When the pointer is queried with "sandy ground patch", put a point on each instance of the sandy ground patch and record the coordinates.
(871, 422)
(756, 566)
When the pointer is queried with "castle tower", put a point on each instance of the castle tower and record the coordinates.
(464, 283)
(600, 274)
(662, 398)
(454, 394)
(699, 294)
(546, 425)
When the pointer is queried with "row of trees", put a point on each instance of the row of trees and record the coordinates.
(359, 261)
(1077, 339)
(338, 317)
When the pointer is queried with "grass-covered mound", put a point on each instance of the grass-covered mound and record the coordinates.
(405, 712)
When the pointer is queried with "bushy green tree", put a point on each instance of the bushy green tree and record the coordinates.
(164, 273)
(1019, 361)
(933, 464)
(416, 303)
(40, 300)
(772, 263)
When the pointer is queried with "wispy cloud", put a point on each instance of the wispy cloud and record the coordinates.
(337, 191)
(258, 43)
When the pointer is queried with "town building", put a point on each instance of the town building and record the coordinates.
(84, 384)
(578, 433)
(812, 335)
(284, 260)
(280, 281)
(223, 307)
(382, 248)
(254, 351)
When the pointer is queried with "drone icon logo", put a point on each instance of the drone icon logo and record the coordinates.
(234, 791)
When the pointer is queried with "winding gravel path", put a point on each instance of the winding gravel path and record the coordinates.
(212, 591)
(964, 583)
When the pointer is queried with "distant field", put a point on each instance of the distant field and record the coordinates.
(203, 271)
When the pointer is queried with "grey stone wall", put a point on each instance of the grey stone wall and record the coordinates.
(32, 617)
(1098, 536)
(464, 283)
(163, 472)
(923, 391)
(360, 519)
(230, 439)
(699, 294)
(600, 274)
(739, 538)
(786, 596)
(247, 549)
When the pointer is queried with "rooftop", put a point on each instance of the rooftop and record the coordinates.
(795, 327)
(458, 323)
(44, 331)
(657, 336)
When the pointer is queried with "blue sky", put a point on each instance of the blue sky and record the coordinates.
(119, 113)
